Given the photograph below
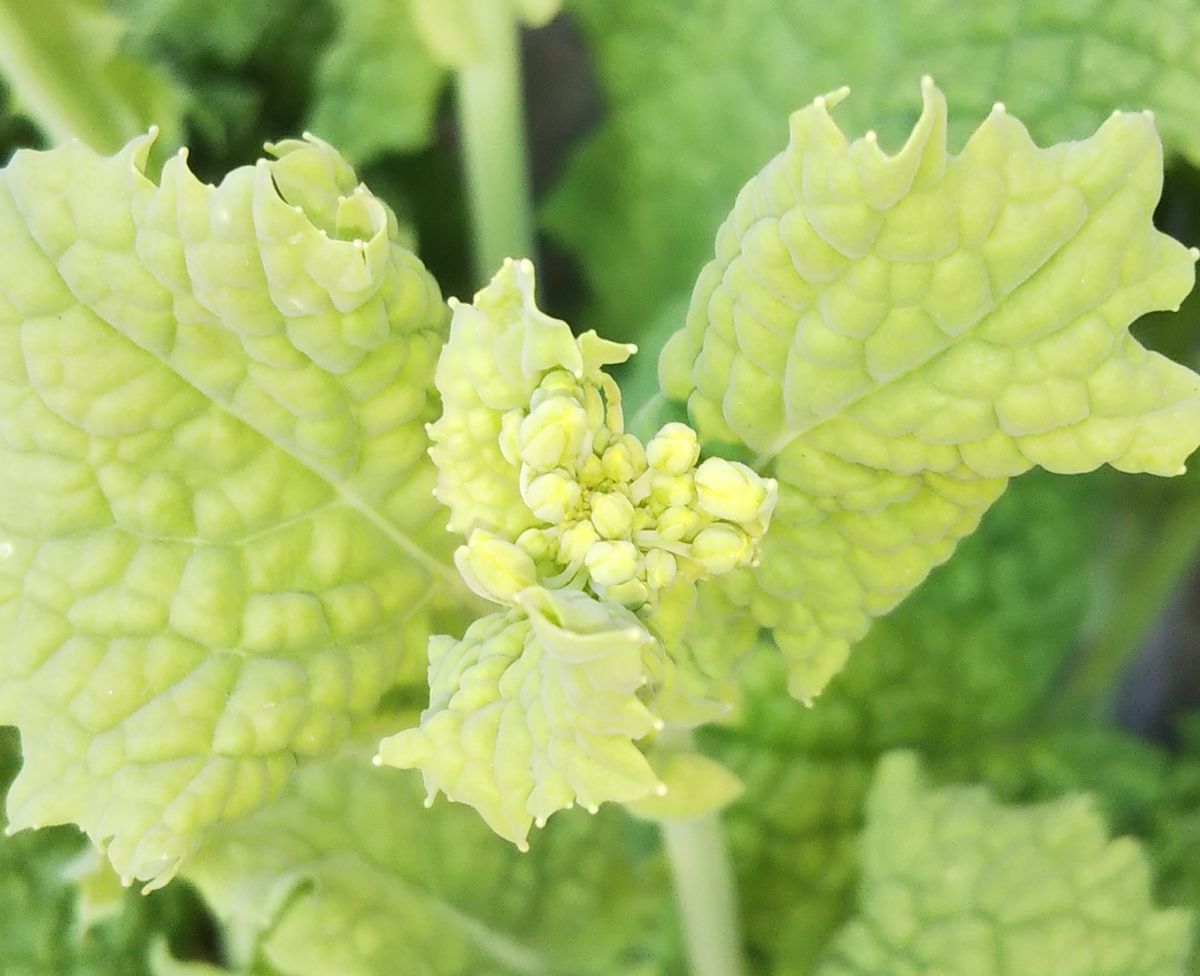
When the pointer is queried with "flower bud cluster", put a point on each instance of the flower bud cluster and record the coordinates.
(617, 518)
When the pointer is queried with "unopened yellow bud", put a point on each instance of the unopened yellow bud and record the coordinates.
(679, 524)
(660, 568)
(632, 593)
(550, 437)
(557, 382)
(510, 442)
(551, 496)
(594, 403)
(672, 490)
(674, 449)
(731, 491)
(591, 471)
(575, 542)
(612, 515)
(495, 569)
(534, 542)
(720, 548)
(611, 563)
(624, 460)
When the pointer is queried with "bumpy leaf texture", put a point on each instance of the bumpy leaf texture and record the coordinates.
(956, 885)
(347, 873)
(534, 710)
(216, 519)
(642, 200)
(893, 337)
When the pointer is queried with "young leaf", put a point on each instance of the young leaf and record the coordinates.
(976, 889)
(893, 337)
(694, 90)
(347, 873)
(216, 524)
(533, 711)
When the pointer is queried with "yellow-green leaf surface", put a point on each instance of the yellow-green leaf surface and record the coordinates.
(957, 885)
(695, 89)
(216, 523)
(893, 337)
(347, 873)
(533, 711)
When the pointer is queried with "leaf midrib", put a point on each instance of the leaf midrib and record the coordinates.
(764, 458)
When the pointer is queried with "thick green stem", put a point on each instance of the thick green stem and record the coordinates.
(54, 57)
(706, 894)
(492, 130)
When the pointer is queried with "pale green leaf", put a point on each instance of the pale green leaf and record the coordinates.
(535, 710)
(377, 86)
(893, 337)
(695, 89)
(956, 885)
(347, 873)
(216, 519)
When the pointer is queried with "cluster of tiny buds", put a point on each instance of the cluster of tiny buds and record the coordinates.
(616, 518)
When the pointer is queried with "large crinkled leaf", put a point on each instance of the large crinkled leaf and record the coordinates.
(955, 884)
(961, 668)
(695, 89)
(216, 518)
(347, 873)
(893, 337)
(535, 710)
